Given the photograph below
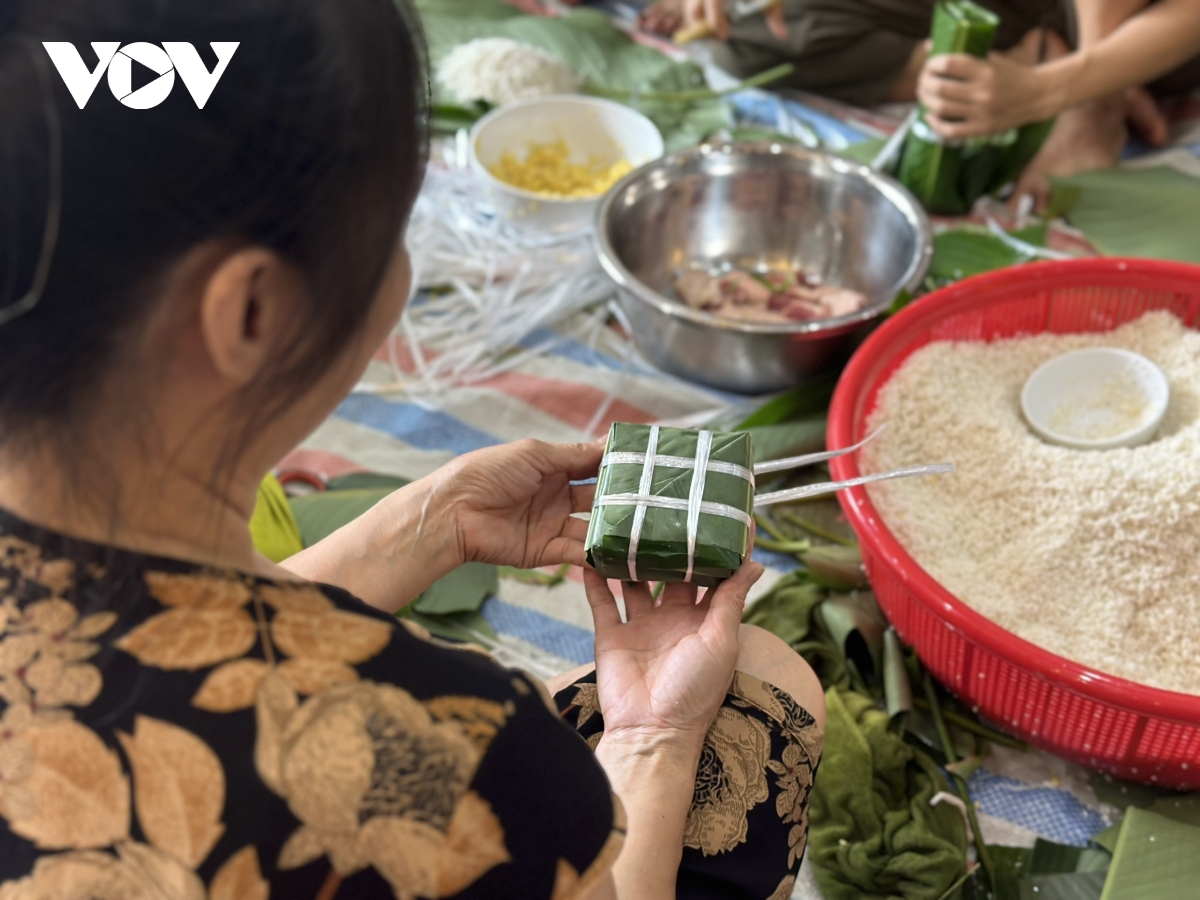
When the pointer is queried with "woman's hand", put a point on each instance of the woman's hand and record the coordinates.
(511, 505)
(713, 12)
(662, 675)
(968, 97)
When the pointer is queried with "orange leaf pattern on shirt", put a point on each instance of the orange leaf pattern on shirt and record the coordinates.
(231, 686)
(80, 794)
(179, 788)
(240, 878)
(332, 635)
(191, 639)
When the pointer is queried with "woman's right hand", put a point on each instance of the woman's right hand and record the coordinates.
(663, 674)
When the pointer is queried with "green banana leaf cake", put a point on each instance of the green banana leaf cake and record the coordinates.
(672, 504)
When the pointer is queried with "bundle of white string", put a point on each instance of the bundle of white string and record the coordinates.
(482, 288)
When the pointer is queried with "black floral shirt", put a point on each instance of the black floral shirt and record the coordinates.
(174, 733)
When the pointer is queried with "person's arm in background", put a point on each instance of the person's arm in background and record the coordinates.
(1123, 44)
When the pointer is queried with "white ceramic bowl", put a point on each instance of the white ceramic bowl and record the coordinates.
(592, 127)
(1096, 399)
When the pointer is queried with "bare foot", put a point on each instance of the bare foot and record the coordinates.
(1085, 137)
(1146, 118)
(662, 17)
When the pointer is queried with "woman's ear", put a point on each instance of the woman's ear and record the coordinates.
(247, 304)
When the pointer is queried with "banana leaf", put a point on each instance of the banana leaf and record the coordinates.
(808, 399)
(1155, 859)
(947, 177)
(463, 590)
(348, 497)
(837, 567)
(968, 250)
(664, 544)
(467, 627)
(1134, 212)
(787, 610)
(587, 41)
(790, 439)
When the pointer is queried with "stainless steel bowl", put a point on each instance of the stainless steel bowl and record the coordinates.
(757, 205)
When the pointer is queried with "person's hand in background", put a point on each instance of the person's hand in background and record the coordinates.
(968, 97)
(662, 17)
(713, 12)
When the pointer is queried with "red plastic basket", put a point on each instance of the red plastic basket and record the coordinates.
(1100, 721)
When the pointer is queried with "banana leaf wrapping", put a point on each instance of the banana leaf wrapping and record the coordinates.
(646, 503)
(947, 177)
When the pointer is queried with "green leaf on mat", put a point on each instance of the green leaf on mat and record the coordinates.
(970, 250)
(897, 689)
(599, 51)
(791, 439)
(1010, 864)
(358, 481)
(320, 515)
(857, 627)
(470, 627)
(1137, 212)
(1049, 858)
(1155, 859)
(863, 151)
(836, 567)
(1067, 886)
(463, 590)
(902, 300)
(820, 518)
(1121, 794)
(1180, 807)
(786, 610)
(1108, 837)
(1093, 860)
(807, 400)
(874, 833)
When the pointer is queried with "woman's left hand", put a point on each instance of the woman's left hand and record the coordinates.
(968, 97)
(512, 505)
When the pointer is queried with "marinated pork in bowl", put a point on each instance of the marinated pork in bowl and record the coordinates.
(754, 267)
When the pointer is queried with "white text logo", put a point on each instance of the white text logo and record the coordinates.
(164, 61)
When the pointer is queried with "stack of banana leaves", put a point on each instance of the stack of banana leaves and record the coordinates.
(891, 811)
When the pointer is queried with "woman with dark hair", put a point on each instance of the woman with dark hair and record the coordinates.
(189, 285)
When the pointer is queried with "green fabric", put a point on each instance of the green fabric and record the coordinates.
(874, 832)
(272, 525)
(1155, 859)
(721, 542)
(588, 41)
(1135, 212)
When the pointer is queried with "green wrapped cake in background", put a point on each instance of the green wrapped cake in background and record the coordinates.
(672, 504)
